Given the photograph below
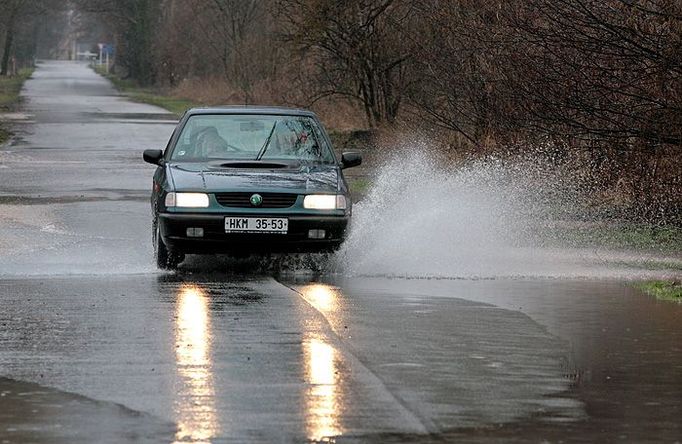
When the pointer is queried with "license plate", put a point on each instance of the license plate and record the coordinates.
(256, 225)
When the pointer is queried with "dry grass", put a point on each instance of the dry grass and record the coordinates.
(337, 114)
(10, 89)
(340, 115)
(208, 91)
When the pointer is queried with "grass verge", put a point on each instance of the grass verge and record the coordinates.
(663, 290)
(10, 89)
(4, 134)
(627, 236)
(151, 96)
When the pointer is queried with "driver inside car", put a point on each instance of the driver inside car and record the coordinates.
(211, 145)
(284, 142)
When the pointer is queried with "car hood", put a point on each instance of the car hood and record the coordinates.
(297, 178)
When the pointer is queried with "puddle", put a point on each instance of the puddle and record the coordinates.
(622, 349)
(14, 117)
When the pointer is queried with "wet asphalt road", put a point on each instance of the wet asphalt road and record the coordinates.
(96, 345)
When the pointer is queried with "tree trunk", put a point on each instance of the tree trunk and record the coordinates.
(9, 38)
(13, 12)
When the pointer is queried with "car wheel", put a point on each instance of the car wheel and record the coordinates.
(166, 259)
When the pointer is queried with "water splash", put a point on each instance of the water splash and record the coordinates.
(483, 219)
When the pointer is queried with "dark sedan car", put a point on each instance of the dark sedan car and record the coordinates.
(244, 180)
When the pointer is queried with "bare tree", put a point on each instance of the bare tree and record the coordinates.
(22, 22)
(606, 70)
(230, 28)
(460, 61)
(356, 48)
(135, 23)
(13, 10)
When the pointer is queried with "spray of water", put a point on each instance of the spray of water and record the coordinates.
(423, 219)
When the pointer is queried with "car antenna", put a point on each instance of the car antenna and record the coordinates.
(264, 148)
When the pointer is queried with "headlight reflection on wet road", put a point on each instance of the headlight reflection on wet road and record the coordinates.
(323, 297)
(322, 400)
(323, 403)
(195, 407)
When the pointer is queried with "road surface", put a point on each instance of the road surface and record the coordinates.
(96, 345)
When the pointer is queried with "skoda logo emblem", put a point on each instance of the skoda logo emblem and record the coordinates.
(256, 200)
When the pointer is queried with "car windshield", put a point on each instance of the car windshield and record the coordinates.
(251, 137)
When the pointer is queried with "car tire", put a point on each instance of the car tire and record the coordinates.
(166, 258)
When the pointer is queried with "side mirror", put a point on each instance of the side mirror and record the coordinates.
(152, 156)
(350, 159)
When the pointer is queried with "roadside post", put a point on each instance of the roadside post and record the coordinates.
(108, 50)
(101, 48)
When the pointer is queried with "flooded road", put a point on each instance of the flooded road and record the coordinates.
(96, 345)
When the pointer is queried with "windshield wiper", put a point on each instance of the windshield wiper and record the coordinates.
(264, 148)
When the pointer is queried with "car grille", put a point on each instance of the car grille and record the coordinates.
(243, 200)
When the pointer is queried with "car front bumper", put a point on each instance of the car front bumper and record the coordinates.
(174, 227)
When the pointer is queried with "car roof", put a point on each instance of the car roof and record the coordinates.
(249, 109)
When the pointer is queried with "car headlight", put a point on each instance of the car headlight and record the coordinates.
(324, 202)
(187, 200)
